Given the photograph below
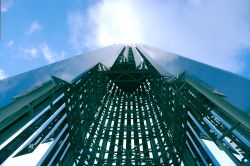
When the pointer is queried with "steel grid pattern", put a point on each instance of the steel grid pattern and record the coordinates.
(128, 129)
(124, 115)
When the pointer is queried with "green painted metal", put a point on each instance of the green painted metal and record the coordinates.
(124, 115)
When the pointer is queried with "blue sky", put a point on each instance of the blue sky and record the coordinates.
(37, 33)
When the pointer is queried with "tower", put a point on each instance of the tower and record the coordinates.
(126, 105)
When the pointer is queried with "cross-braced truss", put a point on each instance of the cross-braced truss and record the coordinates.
(123, 115)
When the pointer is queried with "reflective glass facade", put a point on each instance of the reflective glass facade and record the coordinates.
(140, 106)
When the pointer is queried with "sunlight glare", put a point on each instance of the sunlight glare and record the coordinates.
(124, 25)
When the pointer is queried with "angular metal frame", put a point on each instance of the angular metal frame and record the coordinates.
(125, 115)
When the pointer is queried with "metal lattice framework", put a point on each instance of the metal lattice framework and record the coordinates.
(123, 115)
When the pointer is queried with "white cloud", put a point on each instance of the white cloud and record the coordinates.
(34, 27)
(76, 23)
(2, 74)
(6, 4)
(213, 32)
(10, 43)
(30, 158)
(50, 55)
(220, 156)
(28, 53)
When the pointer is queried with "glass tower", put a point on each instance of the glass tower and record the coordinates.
(126, 105)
